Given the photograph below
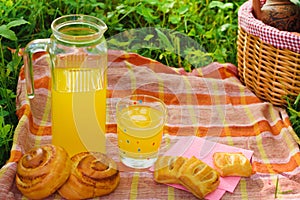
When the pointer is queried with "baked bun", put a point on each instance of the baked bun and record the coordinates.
(167, 168)
(198, 177)
(93, 174)
(41, 171)
(232, 164)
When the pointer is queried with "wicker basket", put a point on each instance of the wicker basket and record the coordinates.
(271, 73)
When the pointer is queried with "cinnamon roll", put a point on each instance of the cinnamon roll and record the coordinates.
(93, 174)
(41, 171)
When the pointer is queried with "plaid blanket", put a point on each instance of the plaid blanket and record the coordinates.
(209, 102)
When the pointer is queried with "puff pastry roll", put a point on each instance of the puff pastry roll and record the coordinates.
(232, 164)
(167, 168)
(198, 177)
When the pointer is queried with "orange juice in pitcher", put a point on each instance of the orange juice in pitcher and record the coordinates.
(78, 122)
(78, 55)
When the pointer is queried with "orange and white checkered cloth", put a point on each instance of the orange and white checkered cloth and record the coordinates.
(209, 102)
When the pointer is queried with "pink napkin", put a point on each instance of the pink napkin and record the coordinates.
(204, 149)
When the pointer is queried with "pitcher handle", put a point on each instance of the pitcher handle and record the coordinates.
(35, 46)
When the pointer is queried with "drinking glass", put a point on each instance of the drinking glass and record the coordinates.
(140, 125)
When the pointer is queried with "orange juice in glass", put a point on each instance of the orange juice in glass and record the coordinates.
(140, 124)
(78, 63)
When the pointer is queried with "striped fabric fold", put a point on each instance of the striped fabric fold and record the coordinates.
(208, 102)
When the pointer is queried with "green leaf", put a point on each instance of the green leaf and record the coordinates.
(297, 2)
(152, 2)
(220, 54)
(6, 33)
(146, 13)
(296, 103)
(216, 4)
(224, 27)
(192, 32)
(164, 41)
(220, 5)
(3, 28)
(183, 9)
(17, 22)
(174, 19)
(6, 129)
(228, 6)
(209, 34)
(165, 8)
(3, 113)
(148, 37)
(118, 43)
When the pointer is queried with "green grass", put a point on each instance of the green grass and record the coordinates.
(293, 110)
(211, 24)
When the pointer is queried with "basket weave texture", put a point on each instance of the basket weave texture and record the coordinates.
(268, 59)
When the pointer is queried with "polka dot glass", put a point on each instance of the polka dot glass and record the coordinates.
(140, 121)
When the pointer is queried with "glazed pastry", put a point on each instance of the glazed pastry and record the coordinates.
(166, 169)
(198, 177)
(92, 175)
(41, 171)
(232, 164)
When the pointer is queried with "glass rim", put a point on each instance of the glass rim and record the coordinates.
(71, 19)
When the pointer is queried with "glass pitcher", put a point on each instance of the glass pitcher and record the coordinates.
(78, 62)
